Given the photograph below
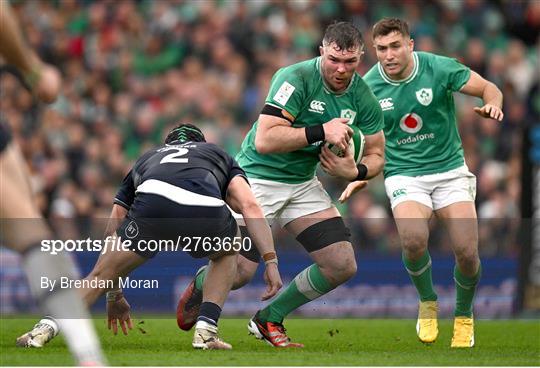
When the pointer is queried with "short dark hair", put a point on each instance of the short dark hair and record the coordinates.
(388, 25)
(185, 133)
(344, 34)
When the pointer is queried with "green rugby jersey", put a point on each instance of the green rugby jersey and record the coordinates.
(301, 91)
(419, 115)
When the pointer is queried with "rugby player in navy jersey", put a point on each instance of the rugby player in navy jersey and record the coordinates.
(181, 191)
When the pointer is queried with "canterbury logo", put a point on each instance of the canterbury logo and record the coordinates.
(386, 104)
(317, 106)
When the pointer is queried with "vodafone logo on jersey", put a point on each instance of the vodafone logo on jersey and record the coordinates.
(411, 123)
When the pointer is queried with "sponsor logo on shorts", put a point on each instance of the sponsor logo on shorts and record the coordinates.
(317, 106)
(284, 93)
(399, 193)
(132, 230)
(472, 192)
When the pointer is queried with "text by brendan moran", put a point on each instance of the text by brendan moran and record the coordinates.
(123, 282)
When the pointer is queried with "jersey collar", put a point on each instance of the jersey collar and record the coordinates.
(404, 80)
(327, 89)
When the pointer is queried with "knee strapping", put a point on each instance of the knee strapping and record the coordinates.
(324, 233)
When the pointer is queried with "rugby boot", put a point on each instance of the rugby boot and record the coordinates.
(426, 325)
(206, 337)
(463, 332)
(189, 304)
(42, 333)
(271, 332)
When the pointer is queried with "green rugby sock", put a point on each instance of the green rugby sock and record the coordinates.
(306, 286)
(420, 274)
(465, 289)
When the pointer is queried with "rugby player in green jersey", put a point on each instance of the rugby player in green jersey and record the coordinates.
(425, 171)
(308, 103)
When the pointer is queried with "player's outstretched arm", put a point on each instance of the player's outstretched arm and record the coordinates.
(44, 80)
(275, 134)
(118, 312)
(241, 199)
(118, 308)
(12, 45)
(117, 215)
(488, 92)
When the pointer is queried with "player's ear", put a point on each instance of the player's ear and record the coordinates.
(411, 44)
(321, 50)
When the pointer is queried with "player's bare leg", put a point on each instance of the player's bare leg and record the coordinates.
(412, 222)
(110, 266)
(17, 207)
(462, 225)
(190, 300)
(336, 261)
(334, 264)
(23, 229)
(217, 285)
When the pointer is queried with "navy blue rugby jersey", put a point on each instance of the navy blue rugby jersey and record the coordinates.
(198, 167)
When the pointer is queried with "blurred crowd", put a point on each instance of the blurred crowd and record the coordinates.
(133, 69)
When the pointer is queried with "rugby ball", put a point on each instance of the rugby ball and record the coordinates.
(356, 145)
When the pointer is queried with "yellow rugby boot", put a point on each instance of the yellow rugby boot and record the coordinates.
(463, 333)
(427, 327)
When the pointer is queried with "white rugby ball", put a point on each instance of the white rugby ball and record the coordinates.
(356, 145)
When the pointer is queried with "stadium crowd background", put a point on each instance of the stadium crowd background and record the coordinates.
(132, 69)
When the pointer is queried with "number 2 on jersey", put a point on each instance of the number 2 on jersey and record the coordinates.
(175, 156)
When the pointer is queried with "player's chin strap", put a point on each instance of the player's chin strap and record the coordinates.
(270, 257)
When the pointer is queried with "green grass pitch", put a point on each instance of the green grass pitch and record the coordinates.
(329, 342)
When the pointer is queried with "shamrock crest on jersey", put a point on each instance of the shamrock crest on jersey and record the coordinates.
(300, 90)
(419, 115)
(424, 96)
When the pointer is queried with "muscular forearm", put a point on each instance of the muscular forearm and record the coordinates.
(258, 229)
(492, 95)
(281, 138)
(374, 163)
(374, 154)
(117, 215)
(112, 225)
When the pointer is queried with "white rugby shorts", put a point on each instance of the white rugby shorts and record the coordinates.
(435, 190)
(283, 202)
